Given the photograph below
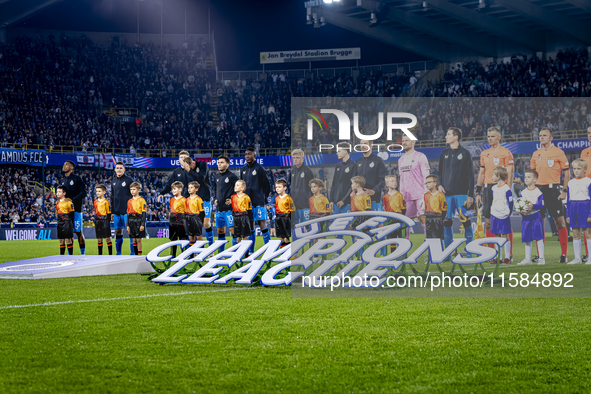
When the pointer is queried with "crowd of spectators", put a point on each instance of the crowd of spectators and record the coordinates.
(566, 75)
(58, 92)
(54, 92)
(20, 199)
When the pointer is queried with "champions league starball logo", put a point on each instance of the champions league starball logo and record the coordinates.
(320, 237)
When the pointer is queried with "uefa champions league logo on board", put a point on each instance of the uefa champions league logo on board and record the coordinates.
(273, 264)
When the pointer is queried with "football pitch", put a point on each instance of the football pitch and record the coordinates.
(124, 334)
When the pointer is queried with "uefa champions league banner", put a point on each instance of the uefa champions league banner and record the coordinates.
(235, 162)
(24, 157)
(475, 147)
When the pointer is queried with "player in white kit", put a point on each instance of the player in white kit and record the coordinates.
(413, 168)
(578, 207)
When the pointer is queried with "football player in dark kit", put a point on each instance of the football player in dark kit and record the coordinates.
(301, 175)
(258, 188)
(341, 182)
(76, 191)
(223, 188)
(120, 195)
(184, 175)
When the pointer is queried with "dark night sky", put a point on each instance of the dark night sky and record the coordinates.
(243, 28)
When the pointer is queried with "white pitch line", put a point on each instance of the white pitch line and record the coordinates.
(126, 298)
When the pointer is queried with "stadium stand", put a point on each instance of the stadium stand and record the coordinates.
(65, 89)
(568, 75)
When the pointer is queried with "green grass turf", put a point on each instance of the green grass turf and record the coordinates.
(264, 340)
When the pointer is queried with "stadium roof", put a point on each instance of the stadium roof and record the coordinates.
(14, 11)
(448, 29)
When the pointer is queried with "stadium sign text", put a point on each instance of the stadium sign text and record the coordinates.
(368, 240)
(27, 235)
(31, 157)
(310, 55)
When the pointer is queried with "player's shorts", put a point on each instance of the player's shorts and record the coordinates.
(207, 209)
(343, 209)
(532, 227)
(302, 215)
(119, 222)
(413, 208)
(194, 225)
(241, 225)
(65, 229)
(176, 232)
(259, 213)
(102, 227)
(500, 226)
(283, 225)
(317, 215)
(578, 212)
(134, 222)
(487, 199)
(224, 219)
(177, 218)
(78, 222)
(400, 233)
(359, 220)
(552, 204)
(454, 203)
(434, 227)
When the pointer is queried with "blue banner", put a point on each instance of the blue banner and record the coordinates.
(26, 157)
(56, 159)
(476, 148)
(173, 162)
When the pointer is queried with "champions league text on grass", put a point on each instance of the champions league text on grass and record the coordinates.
(276, 266)
(366, 243)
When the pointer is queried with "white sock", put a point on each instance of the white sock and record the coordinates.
(541, 248)
(507, 250)
(528, 250)
(588, 243)
(577, 247)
